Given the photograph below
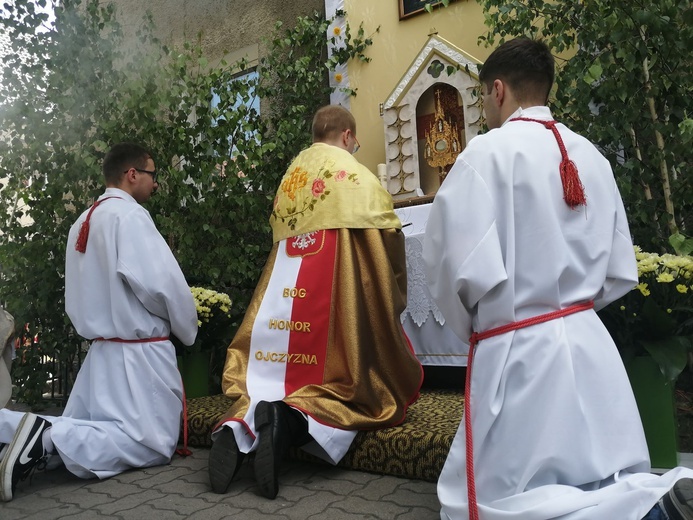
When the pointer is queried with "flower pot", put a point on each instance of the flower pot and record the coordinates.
(194, 370)
(655, 400)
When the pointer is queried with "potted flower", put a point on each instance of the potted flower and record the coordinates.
(213, 321)
(652, 327)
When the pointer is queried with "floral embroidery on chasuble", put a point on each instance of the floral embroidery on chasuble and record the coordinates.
(325, 187)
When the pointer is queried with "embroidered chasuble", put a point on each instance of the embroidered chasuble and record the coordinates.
(322, 331)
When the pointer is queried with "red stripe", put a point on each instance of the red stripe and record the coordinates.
(306, 360)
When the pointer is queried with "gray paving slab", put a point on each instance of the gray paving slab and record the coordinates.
(180, 490)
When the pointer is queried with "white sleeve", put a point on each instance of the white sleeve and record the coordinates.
(147, 265)
(622, 270)
(462, 252)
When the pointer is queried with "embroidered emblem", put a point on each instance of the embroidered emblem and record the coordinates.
(304, 241)
(296, 180)
(306, 244)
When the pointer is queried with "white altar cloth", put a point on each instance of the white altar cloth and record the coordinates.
(433, 342)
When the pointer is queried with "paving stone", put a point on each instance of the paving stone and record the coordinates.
(181, 490)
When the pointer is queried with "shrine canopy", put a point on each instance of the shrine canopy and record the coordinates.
(429, 117)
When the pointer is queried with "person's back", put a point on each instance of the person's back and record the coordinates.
(97, 301)
(554, 255)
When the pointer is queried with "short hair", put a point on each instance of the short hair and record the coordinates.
(526, 65)
(120, 158)
(330, 121)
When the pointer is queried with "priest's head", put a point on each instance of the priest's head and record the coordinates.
(519, 73)
(334, 125)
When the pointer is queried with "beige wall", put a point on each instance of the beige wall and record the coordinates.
(394, 49)
(226, 25)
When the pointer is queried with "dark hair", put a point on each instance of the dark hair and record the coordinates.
(122, 157)
(330, 121)
(526, 65)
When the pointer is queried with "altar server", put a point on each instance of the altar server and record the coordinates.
(321, 352)
(124, 292)
(529, 225)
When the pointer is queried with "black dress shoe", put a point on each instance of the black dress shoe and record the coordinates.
(274, 439)
(224, 460)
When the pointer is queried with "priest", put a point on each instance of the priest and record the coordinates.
(321, 352)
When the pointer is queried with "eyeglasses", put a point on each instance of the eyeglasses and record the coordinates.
(153, 173)
(358, 145)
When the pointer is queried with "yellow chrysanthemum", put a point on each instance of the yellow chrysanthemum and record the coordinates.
(642, 287)
(665, 278)
(682, 288)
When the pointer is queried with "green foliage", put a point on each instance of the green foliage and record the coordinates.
(655, 317)
(430, 5)
(627, 87)
(74, 89)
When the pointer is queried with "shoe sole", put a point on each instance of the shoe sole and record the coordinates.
(13, 452)
(223, 461)
(264, 456)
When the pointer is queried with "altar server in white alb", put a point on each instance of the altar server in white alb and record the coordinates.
(529, 225)
(125, 292)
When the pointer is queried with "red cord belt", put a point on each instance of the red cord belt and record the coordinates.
(138, 340)
(475, 338)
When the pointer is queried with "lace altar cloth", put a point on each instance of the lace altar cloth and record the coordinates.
(433, 342)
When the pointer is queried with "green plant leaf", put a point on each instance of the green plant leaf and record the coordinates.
(671, 354)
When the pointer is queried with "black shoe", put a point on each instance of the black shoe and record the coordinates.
(24, 453)
(274, 441)
(224, 460)
(678, 502)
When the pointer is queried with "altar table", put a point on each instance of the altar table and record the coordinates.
(433, 342)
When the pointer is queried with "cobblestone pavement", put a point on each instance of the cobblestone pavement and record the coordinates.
(181, 490)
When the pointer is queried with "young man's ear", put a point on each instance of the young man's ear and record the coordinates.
(498, 91)
(130, 175)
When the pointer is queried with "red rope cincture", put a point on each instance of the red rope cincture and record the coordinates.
(573, 190)
(137, 340)
(473, 340)
(83, 235)
(184, 451)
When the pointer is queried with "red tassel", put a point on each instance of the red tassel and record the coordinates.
(81, 244)
(83, 236)
(573, 190)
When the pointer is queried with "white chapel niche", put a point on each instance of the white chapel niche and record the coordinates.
(434, 105)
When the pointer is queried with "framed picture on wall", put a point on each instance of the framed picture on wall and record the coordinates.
(409, 8)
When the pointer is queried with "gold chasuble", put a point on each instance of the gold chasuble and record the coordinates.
(322, 331)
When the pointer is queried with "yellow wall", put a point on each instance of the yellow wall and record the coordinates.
(394, 49)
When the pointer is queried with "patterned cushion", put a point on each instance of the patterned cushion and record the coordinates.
(415, 449)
